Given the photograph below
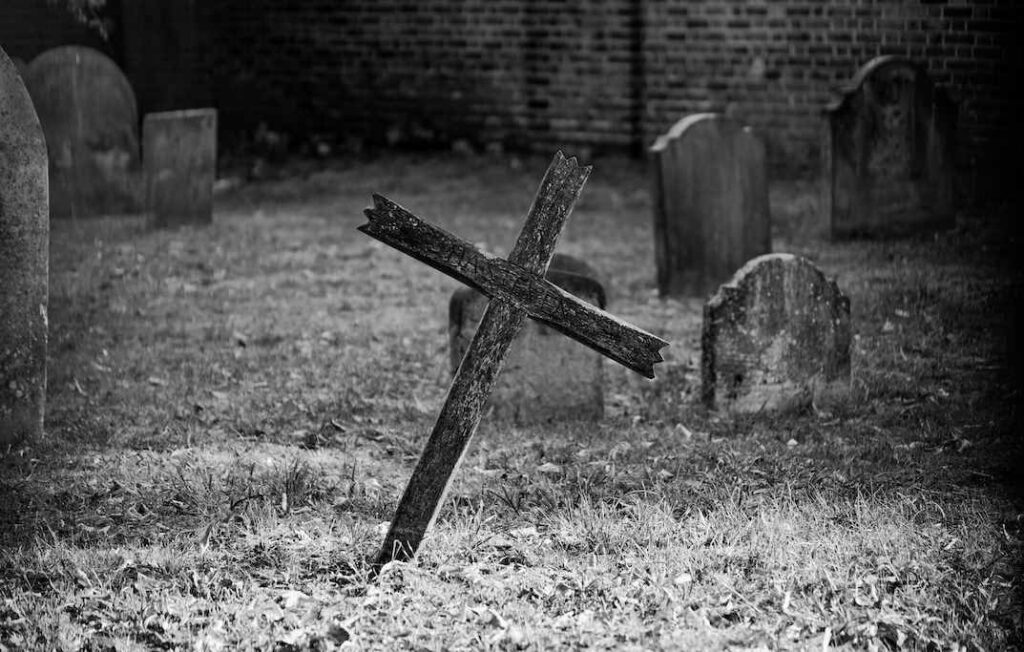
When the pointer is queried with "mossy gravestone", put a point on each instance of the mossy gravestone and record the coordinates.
(888, 153)
(710, 203)
(88, 112)
(24, 250)
(179, 152)
(546, 377)
(775, 337)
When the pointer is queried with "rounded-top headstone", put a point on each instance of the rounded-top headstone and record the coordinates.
(547, 376)
(775, 337)
(888, 153)
(90, 118)
(710, 200)
(24, 251)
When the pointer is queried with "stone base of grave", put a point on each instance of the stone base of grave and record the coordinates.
(547, 376)
(775, 338)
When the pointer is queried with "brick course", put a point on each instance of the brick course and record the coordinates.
(601, 74)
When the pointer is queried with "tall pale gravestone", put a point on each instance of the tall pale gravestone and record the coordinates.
(24, 262)
(546, 376)
(710, 203)
(179, 152)
(887, 151)
(775, 337)
(89, 115)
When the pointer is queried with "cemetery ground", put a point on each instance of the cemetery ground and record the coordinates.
(233, 412)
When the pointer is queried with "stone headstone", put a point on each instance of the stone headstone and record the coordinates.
(179, 152)
(547, 376)
(888, 152)
(88, 112)
(775, 337)
(24, 262)
(710, 203)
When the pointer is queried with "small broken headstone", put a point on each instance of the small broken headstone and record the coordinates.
(710, 203)
(888, 153)
(546, 376)
(24, 262)
(179, 152)
(775, 337)
(89, 115)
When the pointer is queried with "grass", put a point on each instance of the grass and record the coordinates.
(234, 411)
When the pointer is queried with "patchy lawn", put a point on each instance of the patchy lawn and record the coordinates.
(234, 411)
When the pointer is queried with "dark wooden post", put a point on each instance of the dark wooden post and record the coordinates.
(518, 290)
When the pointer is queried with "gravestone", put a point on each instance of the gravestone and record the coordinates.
(24, 258)
(887, 153)
(775, 337)
(179, 152)
(710, 203)
(88, 112)
(517, 290)
(546, 377)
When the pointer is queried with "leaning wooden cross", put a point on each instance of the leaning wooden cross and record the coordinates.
(517, 290)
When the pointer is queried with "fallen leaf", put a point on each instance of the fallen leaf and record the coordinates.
(548, 468)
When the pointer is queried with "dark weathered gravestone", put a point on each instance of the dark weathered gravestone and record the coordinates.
(710, 203)
(888, 153)
(179, 153)
(517, 289)
(89, 116)
(775, 337)
(24, 262)
(546, 377)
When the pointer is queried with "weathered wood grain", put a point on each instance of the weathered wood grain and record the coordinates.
(513, 283)
(467, 395)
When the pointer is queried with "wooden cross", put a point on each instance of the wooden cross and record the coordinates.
(517, 289)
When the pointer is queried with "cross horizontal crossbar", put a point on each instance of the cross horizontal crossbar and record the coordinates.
(500, 279)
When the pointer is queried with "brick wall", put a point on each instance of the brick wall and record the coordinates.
(539, 74)
(485, 70)
(775, 63)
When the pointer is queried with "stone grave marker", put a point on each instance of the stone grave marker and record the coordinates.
(887, 153)
(775, 337)
(88, 112)
(179, 153)
(710, 203)
(546, 377)
(518, 290)
(24, 262)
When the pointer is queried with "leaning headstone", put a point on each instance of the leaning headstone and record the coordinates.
(179, 153)
(775, 337)
(887, 153)
(546, 377)
(24, 259)
(89, 116)
(710, 203)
